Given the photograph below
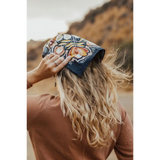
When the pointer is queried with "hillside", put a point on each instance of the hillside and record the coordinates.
(108, 24)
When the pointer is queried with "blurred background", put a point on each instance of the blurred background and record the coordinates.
(108, 23)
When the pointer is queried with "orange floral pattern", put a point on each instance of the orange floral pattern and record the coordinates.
(78, 52)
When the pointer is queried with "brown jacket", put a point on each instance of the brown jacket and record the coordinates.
(51, 134)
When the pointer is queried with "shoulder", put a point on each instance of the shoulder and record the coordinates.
(122, 110)
(34, 104)
(126, 126)
(38, 99)
(37, 102)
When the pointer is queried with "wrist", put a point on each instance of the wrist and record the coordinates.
(33, 77)
(27, 84)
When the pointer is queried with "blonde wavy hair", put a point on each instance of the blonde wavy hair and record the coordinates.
(90, 100)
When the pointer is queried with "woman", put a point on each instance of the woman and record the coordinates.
(85, 121)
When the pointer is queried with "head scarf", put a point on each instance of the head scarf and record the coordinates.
(81, 50)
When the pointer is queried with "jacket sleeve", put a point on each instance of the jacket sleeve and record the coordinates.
(124, 144)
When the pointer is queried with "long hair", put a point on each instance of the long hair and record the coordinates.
(90, 100)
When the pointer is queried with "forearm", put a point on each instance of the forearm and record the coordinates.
(46, 68)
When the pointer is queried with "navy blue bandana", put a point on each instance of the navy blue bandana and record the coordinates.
(82, 51)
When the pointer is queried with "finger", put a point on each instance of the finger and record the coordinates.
(61, 65)
(49, 56)
(53, 59)
(58, 61)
